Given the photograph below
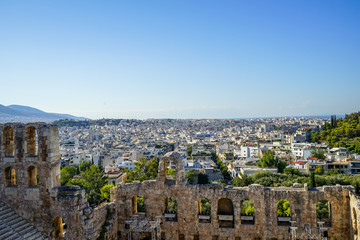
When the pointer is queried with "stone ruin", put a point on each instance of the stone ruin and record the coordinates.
(171, 208)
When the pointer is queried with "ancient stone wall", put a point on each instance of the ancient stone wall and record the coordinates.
(354, 216)
(30, 184)
(263, 225)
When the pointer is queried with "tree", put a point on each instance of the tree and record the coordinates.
(322, 209)
(268, 160)
(189, 150)
(66, 174)
(191, 176)
(312, 180)
(319, 154)
(205, 206)
(283, 208)
(281, 166)
(202, 178)
(319, 170)
(247, 208)
(83, 166)
(144, 170)
(105, 191)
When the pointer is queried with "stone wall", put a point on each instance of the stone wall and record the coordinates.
(187, 225)
(41, 200)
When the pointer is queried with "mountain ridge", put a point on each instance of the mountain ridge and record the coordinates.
(20, 113)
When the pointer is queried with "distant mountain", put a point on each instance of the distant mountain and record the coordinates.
(19, 113)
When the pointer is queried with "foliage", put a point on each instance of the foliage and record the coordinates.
(281, 166)
(319, 154)
(268, 160)
(220, 165)
(322, 209)
(312, 181)
(92, 180)
(283, 208)
(171, 206)
(343, 133)
(203, 178)
(66, 174)
(105, 191)
(189, 150)
(140, 204)
(191, 176)
(241, 182)
(83, 166)
(144, 170)
(171, 172)
(247, 208)
(319, 170)
(205, 206)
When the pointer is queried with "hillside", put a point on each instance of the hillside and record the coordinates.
(342, 133)
(19, 113)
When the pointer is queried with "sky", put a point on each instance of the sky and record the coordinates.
(181, 59)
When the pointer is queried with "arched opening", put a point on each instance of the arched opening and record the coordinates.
(32, 176)
(30, 137)
(170, 168)
(10, 177)
(204, 210)
(140, 205)
(323, 212)
(8, 139)
(355, 222)
(283, 212)
(247, 212)
(170, 209)
(58, 228)
(225, 213)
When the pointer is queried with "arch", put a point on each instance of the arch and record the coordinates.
(323, 212)
(30, 138)
(283, 212)
(170, 209)
(8, 140)
(177, 164)
(32, 176)
(10, 177)
(140, 205)
(225, 213)
(247, 212)
(204, 210)
(204, 206)
(225, 207)
(58, 227)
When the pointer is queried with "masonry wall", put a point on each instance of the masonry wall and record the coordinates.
(40, 199)
(303, 209)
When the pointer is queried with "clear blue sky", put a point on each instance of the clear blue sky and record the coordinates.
(181, 59)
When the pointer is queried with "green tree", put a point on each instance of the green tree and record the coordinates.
(191, 176)
(189, 150)
(283, 208)
(105, 191)
(322, 209)
(202, 178)
(247, 208)
(312, 181)
(171, 172)
(319, 170)
(268, 160)
(66, 174)
(83, 166)
(140, 204)
(205, 206)
(319, 154)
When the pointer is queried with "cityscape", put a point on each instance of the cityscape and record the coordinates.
(180, 120)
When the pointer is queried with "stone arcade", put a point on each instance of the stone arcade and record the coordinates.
(30, 186)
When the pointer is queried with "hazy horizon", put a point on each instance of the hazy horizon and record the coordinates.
(185, 59)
